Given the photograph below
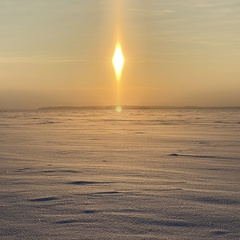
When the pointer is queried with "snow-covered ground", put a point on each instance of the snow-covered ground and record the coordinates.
(141, 174)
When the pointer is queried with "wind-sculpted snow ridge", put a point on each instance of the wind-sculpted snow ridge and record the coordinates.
(141, 174)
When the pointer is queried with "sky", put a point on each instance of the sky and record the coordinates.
(177, 53)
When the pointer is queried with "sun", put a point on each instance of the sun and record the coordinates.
(119, 109)
(118, 61)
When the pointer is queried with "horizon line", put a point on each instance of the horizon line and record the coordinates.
(106, 107)
(137, 107)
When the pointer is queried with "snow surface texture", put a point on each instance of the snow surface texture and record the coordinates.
(141, 174)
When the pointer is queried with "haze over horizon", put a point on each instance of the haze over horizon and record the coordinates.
(179, 53)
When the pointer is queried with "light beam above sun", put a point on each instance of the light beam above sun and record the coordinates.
(118, 61)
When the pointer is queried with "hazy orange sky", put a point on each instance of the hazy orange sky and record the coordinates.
(179, 53)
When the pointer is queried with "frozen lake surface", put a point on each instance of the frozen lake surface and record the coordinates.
(141, 174)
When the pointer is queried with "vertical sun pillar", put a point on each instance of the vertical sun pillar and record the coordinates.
(118, 63)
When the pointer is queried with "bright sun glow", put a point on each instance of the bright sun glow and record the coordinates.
(118, 61)
(119, 109)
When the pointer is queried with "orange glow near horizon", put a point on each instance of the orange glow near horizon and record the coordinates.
(118, 61)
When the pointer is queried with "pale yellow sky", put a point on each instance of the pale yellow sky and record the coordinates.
(59, 52)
